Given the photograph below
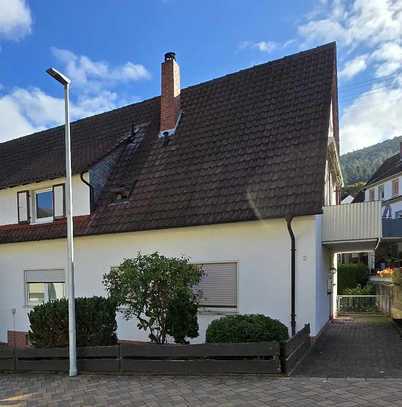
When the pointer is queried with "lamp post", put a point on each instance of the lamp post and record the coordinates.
(69, 215)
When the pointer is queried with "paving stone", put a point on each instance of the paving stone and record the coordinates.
(359, 347)
(224, 391)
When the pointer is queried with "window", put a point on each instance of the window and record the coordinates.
(43, 205)
(371, 195)
(398, 214)
(43, 286)
(395, 187)
(219, 285)
(381, 192)
(48, 204)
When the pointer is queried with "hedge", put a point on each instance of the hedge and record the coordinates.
(246, 328)
(96, 323)
(351, 276)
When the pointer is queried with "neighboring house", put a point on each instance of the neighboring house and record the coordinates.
(385, 185)
(224, 172)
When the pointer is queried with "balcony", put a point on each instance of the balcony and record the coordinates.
(392, 228)
(352, 227)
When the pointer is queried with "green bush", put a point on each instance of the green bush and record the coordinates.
(182, 320)
(96, 323)
(156, 290)
(351, 275)
(246, 328)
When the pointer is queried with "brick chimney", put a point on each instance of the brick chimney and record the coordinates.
(170, 95)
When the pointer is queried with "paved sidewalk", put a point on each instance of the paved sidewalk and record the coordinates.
(367, 347)
(236, 391)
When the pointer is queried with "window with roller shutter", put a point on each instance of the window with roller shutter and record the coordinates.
(219, 285)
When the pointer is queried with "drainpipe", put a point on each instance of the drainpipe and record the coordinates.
(91, 192)
(293, 274)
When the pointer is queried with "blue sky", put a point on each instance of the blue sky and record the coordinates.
(112, 50)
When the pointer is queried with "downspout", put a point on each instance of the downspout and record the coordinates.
(292, 274)
(91, 192)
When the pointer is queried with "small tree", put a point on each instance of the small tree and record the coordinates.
(158, 291)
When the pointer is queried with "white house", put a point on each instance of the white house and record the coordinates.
(385, 186)
(225, 172)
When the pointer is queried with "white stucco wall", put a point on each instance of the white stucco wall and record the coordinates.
(325, 259)
(8, 198)
(262, 250)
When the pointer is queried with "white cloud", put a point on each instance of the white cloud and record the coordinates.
(369, 37)
(352, 23)
(373, 24)
(85, 72)
(15, 19)
(16, 124)
(388, 57)
(263, 46)
(31, 109)
(373, 117)
(354, 67)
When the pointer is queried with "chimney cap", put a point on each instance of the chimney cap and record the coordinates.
(169, 56)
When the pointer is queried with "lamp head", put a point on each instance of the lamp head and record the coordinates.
(59, 76)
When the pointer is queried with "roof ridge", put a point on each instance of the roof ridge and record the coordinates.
(272, 62)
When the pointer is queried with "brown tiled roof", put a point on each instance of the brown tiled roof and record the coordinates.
(249, 145)
(388, 168)
(41, 231)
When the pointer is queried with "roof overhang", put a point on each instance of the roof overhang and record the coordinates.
(335, 161)
(352, 246)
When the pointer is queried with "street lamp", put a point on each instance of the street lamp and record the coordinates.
(70, 243)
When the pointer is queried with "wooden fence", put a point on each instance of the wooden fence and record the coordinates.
(202, 359)
(295, 349)
(150, 359)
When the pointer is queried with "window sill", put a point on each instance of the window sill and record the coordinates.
(31, 306)
(43, 221)
(217, 311)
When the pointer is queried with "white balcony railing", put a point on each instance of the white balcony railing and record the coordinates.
(358, 222)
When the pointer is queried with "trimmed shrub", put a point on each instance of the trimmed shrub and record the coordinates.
(155, 290)
(246, 328)
(181, 319)
(96, 323)
(351, 275)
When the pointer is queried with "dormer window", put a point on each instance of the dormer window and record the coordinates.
(120, 194)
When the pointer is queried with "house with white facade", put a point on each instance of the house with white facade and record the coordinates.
(238, 173)
(385, 187)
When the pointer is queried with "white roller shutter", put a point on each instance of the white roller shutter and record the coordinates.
(23, 206)
(58, 201)
(45, 276)
(219, 285)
